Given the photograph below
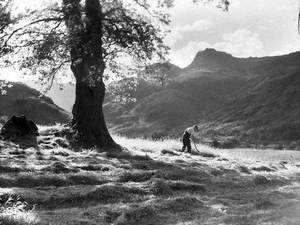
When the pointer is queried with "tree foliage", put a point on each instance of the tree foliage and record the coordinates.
(159, 74)
(124, 90)
(222, 4)
(5, 21)
(125, 29)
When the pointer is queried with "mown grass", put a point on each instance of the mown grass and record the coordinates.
(144, 184)
(31, 180)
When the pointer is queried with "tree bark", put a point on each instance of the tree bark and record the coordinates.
(88, 118)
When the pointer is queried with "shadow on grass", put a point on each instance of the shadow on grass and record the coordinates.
(153, 191)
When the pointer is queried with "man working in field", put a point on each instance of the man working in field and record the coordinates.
(189, 133)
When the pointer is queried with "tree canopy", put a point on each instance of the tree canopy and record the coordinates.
(131, 28)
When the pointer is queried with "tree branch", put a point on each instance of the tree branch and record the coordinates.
(58, 19)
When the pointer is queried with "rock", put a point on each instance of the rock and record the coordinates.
(19, 127)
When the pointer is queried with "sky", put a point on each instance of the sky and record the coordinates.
(249, 28)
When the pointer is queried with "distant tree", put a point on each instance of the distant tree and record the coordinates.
(90, 36)
(157, 73)
(124, 90)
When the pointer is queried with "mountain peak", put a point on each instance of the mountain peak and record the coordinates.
(208, 50)
(211, 52)
(212, 59)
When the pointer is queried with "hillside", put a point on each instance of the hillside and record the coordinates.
(268, 114)
(23, 100)
(250, 99)
(188, 97)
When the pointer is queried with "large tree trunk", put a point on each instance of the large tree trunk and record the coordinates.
(88, 68)
(88, 118)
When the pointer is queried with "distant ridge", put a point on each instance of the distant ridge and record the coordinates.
(23, 100)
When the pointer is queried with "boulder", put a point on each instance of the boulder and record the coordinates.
(19, 127)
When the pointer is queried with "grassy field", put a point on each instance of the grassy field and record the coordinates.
(149, 183)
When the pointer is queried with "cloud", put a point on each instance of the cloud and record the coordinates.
(240, 43)
(185, 55)
(178, 32)
(173, 37)
(199, 25)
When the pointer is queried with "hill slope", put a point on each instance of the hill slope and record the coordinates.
(23, 100)
(187, 98)
(268, 114)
